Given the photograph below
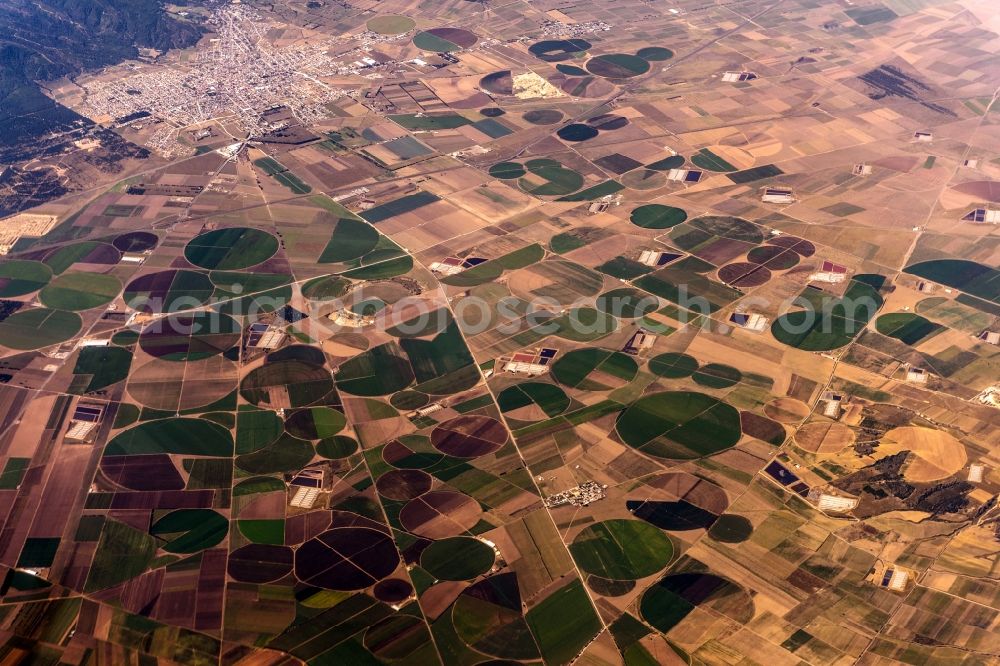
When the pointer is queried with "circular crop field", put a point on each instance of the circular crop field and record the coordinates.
(334, 448)
(548, 177)
(260, 563)
(824, 437)
(730, 528)
(621, 549)
(679, 425)
(168, 291)
(176, 436)
(744, 275)
(38, 327)
(799, 246)
(231, 249)
(627, 303)
(80, 291)
(644, 179)
(498, 83)
(346, 558)
(617, 66)
(440, 513)
(457, 558)
(392, 590)
(286, 383)
(935, 454)
(136, 241)
(533, 401)
(906, 327)
(315, 423)
(507, 170)
(667, 163)
(673, 365)
(717, 376)
(655, 53)
(610, 588)
(190, 336)
(378, 371)
(190, 530)
(19, 277)
(444, 40)
(469, 436)
(542, 116)
(787, 410)
(403, 484)
(411, 452)
(391, 24)
(407, 400)
(586, 86)
(773, 257)
(594, 369)
(351, 239)
(726, 226)
(575, 132)
(285, 454)
(657, 216)
(571, 70)
(556, 50)
(668, 602)
(492, 112)
(326, 288)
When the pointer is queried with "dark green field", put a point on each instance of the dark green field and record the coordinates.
(575, 368)
(679, 425)
(38, 327)
(457, 558)
(195, 437)
(906, 326)
(231, 249)
(19, 277)
(621, 549)
(828, 322)
(971, 277)
(657, 216)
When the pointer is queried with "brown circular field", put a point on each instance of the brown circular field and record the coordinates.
(799, 246)
(773, 257)
(407, 456)
(644, 179)
(260, 563)
(170, 386)
(469, 436)
(403, 484)
(346, 558)
(457, 36)
(542, 116)
(392, 590)
(824, 437)
(936, 454)
(587, 86)
(787, 410)
(136, 241)
(744, 274)
(498, 83)
(440, 513)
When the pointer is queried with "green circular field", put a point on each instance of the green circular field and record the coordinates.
(673, 365)
(190, 336)
(407, 400)
(547, 177)
(679, 425)
(286, 454)
(315, 422)
(176, 436)
(391, 24)
(339, 446)
(378, 371)
(594, 369)
(350, 239)
(627, 303)
(326, 288)
(231, 249)
(673, 598)
(38, 327)
(457, 558)
(829, 325)
(19, 277)
(507, 170)
(169, 291)
(622, 549)
(731, 528)
(549, 398)
(444, 40)
(717, 375)
(905, 326)
(190, 530)
(657, 216)
(617, 66)
(655, 53)
(80, 291)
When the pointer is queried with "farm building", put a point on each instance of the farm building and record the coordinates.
(735, 77)
(983, 216)
(989, 337)
(778, 195)
(862, 170)
(642, 339)
(751, 322)
(684, 175)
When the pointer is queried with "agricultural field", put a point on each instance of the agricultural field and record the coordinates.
(464, 333)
